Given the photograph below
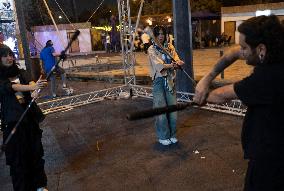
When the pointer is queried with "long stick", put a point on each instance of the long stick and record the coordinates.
(158, 111)
(74, 37)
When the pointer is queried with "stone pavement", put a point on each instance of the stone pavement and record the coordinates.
(95, 148)
(108, 67)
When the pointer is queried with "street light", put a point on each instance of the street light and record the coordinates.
(60, 17)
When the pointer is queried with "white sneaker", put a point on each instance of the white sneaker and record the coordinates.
(174, 140)
(165, 141)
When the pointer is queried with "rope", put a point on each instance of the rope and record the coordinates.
(95, 10)
(53, 21)
(64, 14)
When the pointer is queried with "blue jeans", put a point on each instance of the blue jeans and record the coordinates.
(52, 78)
(166, 123)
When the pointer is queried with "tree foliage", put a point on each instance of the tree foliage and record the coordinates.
(210, 5)
(157, 7)
(35, 13)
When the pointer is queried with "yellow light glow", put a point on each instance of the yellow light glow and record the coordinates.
(149, 21)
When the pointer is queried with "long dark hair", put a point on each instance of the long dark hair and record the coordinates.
(157, 29)
(7, 72)
(265, 30)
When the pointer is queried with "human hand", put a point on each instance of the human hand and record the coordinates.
(41, 83)
(201, 92)
(63, 56)
(179, 62)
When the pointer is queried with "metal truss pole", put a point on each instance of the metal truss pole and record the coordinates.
(127, 36)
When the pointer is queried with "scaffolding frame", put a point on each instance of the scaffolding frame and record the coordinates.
(235, 107)
(130, 88)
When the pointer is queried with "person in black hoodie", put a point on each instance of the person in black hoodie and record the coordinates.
(24, 151)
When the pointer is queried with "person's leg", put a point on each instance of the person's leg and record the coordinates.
(17, 154)
(146, 48)
(39, 179)
(62, 73)
(53, 85)
(264, 175)
(20, 180)
(172, 117)
(159, 100)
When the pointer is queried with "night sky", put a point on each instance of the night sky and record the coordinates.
(91, 5)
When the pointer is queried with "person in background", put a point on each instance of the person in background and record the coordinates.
(162, 72)
(146, 41)
(108, 50)
(48, 58)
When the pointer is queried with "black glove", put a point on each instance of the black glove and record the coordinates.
(63, 56)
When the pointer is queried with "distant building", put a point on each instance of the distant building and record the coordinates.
(232, 17)
(83, 43)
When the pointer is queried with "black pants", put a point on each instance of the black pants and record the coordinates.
(24, 154)
(146, 46)
(265, 175)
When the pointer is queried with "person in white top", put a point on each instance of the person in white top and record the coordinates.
(108, 43)
(146, 41)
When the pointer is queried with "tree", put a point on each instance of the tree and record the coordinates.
(210, 5)
(35, 13)
(157, 7)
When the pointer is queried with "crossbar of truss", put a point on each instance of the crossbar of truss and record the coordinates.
(71, 102)
(234, 107)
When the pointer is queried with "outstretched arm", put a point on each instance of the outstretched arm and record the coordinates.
(30, 87)
(202, 88)
(222, 95)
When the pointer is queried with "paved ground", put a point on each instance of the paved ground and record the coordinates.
(107, 66)
(95, 148)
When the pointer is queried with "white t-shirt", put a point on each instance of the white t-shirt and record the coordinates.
(108, 39)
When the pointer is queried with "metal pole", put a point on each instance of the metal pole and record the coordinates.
(222, 73)
(22, 29)
(183, 43)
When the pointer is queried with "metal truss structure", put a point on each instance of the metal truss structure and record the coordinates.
(235, 107)
(126, 39)
(71, 102)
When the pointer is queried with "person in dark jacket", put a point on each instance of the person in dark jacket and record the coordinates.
(24, 151)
